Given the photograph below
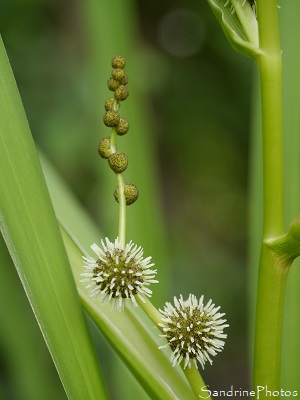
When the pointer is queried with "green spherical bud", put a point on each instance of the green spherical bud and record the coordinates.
(131, 193)
(122, 127)
(119, 75)
(118, 62)
(104, 148)
(124, 81)
(111, 118)
(118, 162)
(113, 84)
(121, 93)
(109, 104)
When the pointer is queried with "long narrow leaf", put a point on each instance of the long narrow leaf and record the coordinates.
(30, 229)
(28, 367)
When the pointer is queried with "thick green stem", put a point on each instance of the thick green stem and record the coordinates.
(269, 317)
(273, 268)
(270, 68)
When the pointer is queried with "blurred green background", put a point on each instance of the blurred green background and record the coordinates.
(188, 109)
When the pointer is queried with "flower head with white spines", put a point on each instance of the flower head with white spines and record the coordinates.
(118, 274)
(193, 330)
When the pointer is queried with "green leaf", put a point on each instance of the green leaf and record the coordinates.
(239, 24)
(31, 233)
(27, 365)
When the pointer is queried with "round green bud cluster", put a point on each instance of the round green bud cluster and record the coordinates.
(104, 148)
(109, 104)
(113, 84)
(118, 162)
(118, 62)
(111, 118)
(122, 127)
(130, 191)
(117, 83)
(118, 80)
(121, 93)
(119, 75)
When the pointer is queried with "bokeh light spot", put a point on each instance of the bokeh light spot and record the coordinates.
(181, 33)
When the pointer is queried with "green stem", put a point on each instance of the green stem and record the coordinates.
(197, 384)
(122, 199)
(269, 318)
(273, 268)
(150, 310)
(270, 68)
(122, 210)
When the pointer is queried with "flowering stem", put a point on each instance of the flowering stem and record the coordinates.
(150, 310)
(195, 380)
(273, 268)
(122, 210)
(120, 182)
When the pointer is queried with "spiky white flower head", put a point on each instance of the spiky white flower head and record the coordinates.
(193, 330)
(118, 274)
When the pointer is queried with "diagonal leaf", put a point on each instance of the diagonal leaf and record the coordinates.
(239, 25)
(29, 368)
(31, 233)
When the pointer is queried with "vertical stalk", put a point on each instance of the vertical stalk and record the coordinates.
(273, 270)
(122, 199)
(122, 210)
(270, 68)
(269, 318)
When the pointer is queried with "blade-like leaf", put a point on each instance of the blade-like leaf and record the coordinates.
(28, 367)
(31, 233)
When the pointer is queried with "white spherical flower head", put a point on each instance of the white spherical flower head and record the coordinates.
(193, 330)
(118, 274)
